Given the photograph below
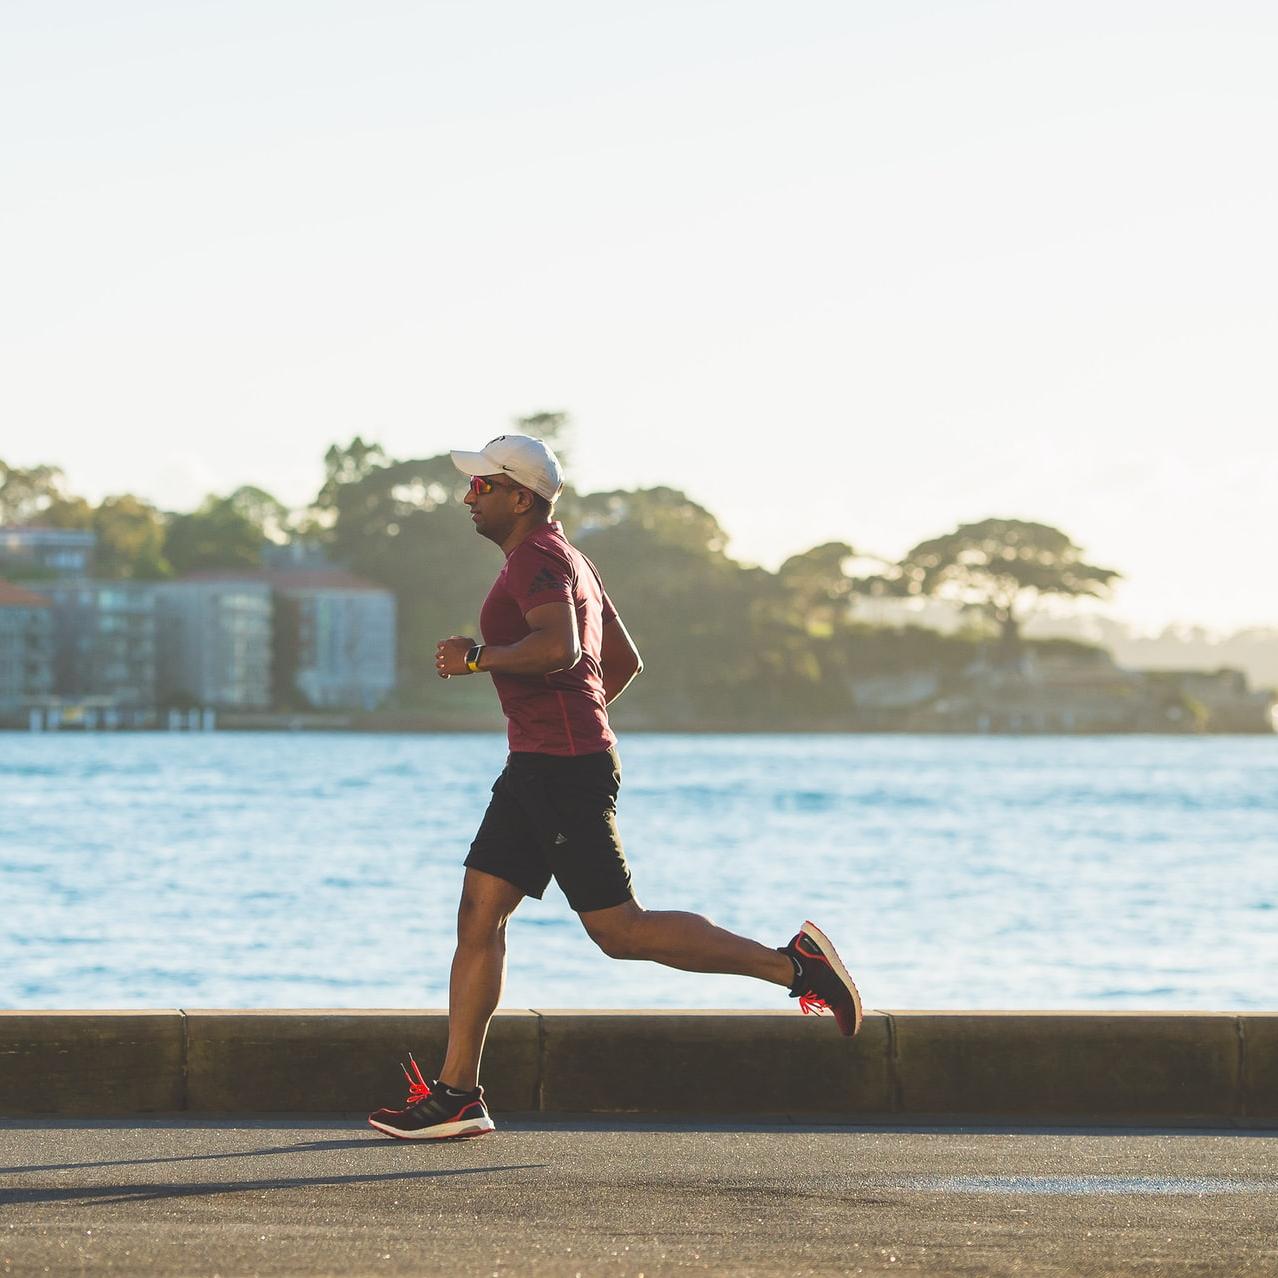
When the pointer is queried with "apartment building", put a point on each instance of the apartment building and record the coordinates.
(104, 640)
(214, 637)
(26, 647)
(344, 632)
(47, 553)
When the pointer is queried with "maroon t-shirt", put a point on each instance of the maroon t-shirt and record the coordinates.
(564, 712)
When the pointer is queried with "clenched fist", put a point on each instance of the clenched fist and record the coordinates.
(450, 655)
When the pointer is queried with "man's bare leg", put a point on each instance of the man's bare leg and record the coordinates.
(478, 974)
(687, 941)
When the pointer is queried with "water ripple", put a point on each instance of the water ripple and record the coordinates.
(322, 870)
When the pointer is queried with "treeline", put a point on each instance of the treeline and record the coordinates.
(724, 643)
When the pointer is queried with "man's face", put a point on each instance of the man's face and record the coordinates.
(493, 512)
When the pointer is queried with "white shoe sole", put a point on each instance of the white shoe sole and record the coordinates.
(824, 945)
(441, 1131)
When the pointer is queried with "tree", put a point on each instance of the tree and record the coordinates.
(67, 512)
(263, 511)
(348, 466)
(999, 568)
(131, 537)
(817, 586)
(402, 524)
(217, 535)
(723, 644)
(25, 495)
(666, 514)
(553, 429)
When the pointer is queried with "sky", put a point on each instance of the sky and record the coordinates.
(839, 271)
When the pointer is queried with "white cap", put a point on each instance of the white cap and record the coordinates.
(526, 460)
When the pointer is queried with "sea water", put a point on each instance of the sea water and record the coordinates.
(322, 870)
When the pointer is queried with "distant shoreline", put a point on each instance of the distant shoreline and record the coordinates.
(414, 725)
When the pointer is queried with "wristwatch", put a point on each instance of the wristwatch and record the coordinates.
(472, 658)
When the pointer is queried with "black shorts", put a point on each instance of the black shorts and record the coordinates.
(556, 815)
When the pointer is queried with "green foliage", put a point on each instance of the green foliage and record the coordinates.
(816, 583)
(266, 513)
(130, 531)
(227, 532)
(67, 512)
(215, 536)
(131, 539)
(724, 645)
(879, 650)
(347, 466)
(553, 429)
(1078, 651)
(402, 524)
(689, 607)
(25, 495)
(661, 515)
(998, 568)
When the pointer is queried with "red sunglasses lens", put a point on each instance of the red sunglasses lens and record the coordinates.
(480, 486)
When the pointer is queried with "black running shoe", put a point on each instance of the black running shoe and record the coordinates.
(823, 983)
(433, 1112)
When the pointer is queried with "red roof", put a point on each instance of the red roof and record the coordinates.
(12, 596)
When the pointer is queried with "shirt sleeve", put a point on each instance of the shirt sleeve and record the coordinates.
(535, 578)
(607, 612)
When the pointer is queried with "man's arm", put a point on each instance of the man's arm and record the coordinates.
(619, 657)
(552, 644)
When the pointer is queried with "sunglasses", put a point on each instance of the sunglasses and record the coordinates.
(481, 487)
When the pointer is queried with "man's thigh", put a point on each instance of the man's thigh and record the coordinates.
(508, 844)
(488, 898)
(584, 846)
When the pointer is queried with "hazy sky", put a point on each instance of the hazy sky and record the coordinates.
(838, 270)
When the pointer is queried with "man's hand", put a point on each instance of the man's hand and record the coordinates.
(450, 655)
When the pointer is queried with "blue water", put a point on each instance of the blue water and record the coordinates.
(307, 870)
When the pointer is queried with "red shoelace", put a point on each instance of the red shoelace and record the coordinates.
(418, 1087)
(812, 1003)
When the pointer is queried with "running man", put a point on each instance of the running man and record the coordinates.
(558, 654)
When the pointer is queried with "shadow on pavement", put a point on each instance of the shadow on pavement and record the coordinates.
(143, 1193)
(305, 1147)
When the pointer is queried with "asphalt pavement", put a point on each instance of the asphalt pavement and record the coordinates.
(566, 1197)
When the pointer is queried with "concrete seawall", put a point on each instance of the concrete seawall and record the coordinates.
(1196, 1068)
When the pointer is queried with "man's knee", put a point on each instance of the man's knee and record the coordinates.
(479, 920)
